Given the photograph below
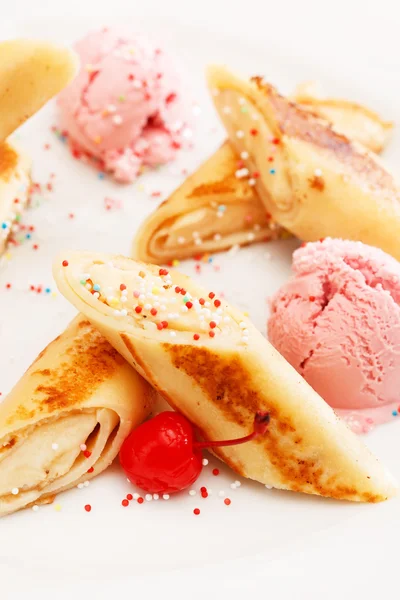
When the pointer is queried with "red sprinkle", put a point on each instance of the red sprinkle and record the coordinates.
(129, 497)
(90, 470)
(276, 141)
(177, 289)
(140, 500)
(163, 272)
(211, 295)
(87, 453)
(153, 312)
(88, 507)
(270, 158)
(256, 175)
(122, 287)
(65, 263)
(160, 326)
(131, 77)
(125, 502)
(204, 494)
(202, 301)
(164, 324)
(203, 489)
(215, 471)
(8, 286)
(196, 336)
(213, 324)
(71, 215)
(253, 131)
(311, 298)
(183, 291)
(35, 246)
(196, 511)
(217, 303)
(227, 501)
(170, 98)
(138, 309)
(211, 333)
(189, 304)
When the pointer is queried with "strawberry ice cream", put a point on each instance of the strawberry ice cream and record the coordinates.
(125, 107)
(337, 321)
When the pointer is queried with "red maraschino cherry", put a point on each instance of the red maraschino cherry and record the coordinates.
(161, 456)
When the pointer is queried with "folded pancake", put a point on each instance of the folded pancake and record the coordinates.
(218, 206)
(31, 72)
(312, 180)
(210, 363)
(355, 121)
(78, 391)
(15, 168)
(214, 209)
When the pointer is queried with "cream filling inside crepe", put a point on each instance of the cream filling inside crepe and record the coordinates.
(247, 220)
(149, 299)
(55, 456)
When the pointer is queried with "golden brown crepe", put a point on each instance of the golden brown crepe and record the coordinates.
(209, 361)
(317, 183)
(78, 391)
(31, 72)
(15, 168)
(213, 210)
(218, 206)
(356, 122)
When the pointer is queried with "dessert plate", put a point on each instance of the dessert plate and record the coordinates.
(75, 207)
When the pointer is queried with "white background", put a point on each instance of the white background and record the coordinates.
(355, 37)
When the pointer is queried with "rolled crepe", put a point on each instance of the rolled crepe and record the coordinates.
(15, 167)
(312, 180)
(210, 363)
(78, 391)
(218, 206)
(214, 209)
(31, 72)
(356, 122)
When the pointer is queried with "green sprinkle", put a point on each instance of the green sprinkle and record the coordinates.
(82, 282)
(244, 109)
(122, 98)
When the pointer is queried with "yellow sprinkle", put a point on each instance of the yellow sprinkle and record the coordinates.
(155, 290)
(113, 302)
(89, 67)
(8, 256)
(131, 50)
(175, 262)
(53, 294)
(246, 314)
(140, 187)
(57, 507)
(97, 139)
(205, 258)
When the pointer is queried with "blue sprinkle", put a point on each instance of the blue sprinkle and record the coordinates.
(47, 290)
(395, 413)
(101, 175)
(272, 171)
(96, 287)
(28, 236)
(63, 138)
(4, 225)
(222, 208)
(210, 259)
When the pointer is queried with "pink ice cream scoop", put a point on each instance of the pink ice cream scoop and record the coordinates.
(126, 106)
(337, 321)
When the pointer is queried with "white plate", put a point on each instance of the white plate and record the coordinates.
(158, 535)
